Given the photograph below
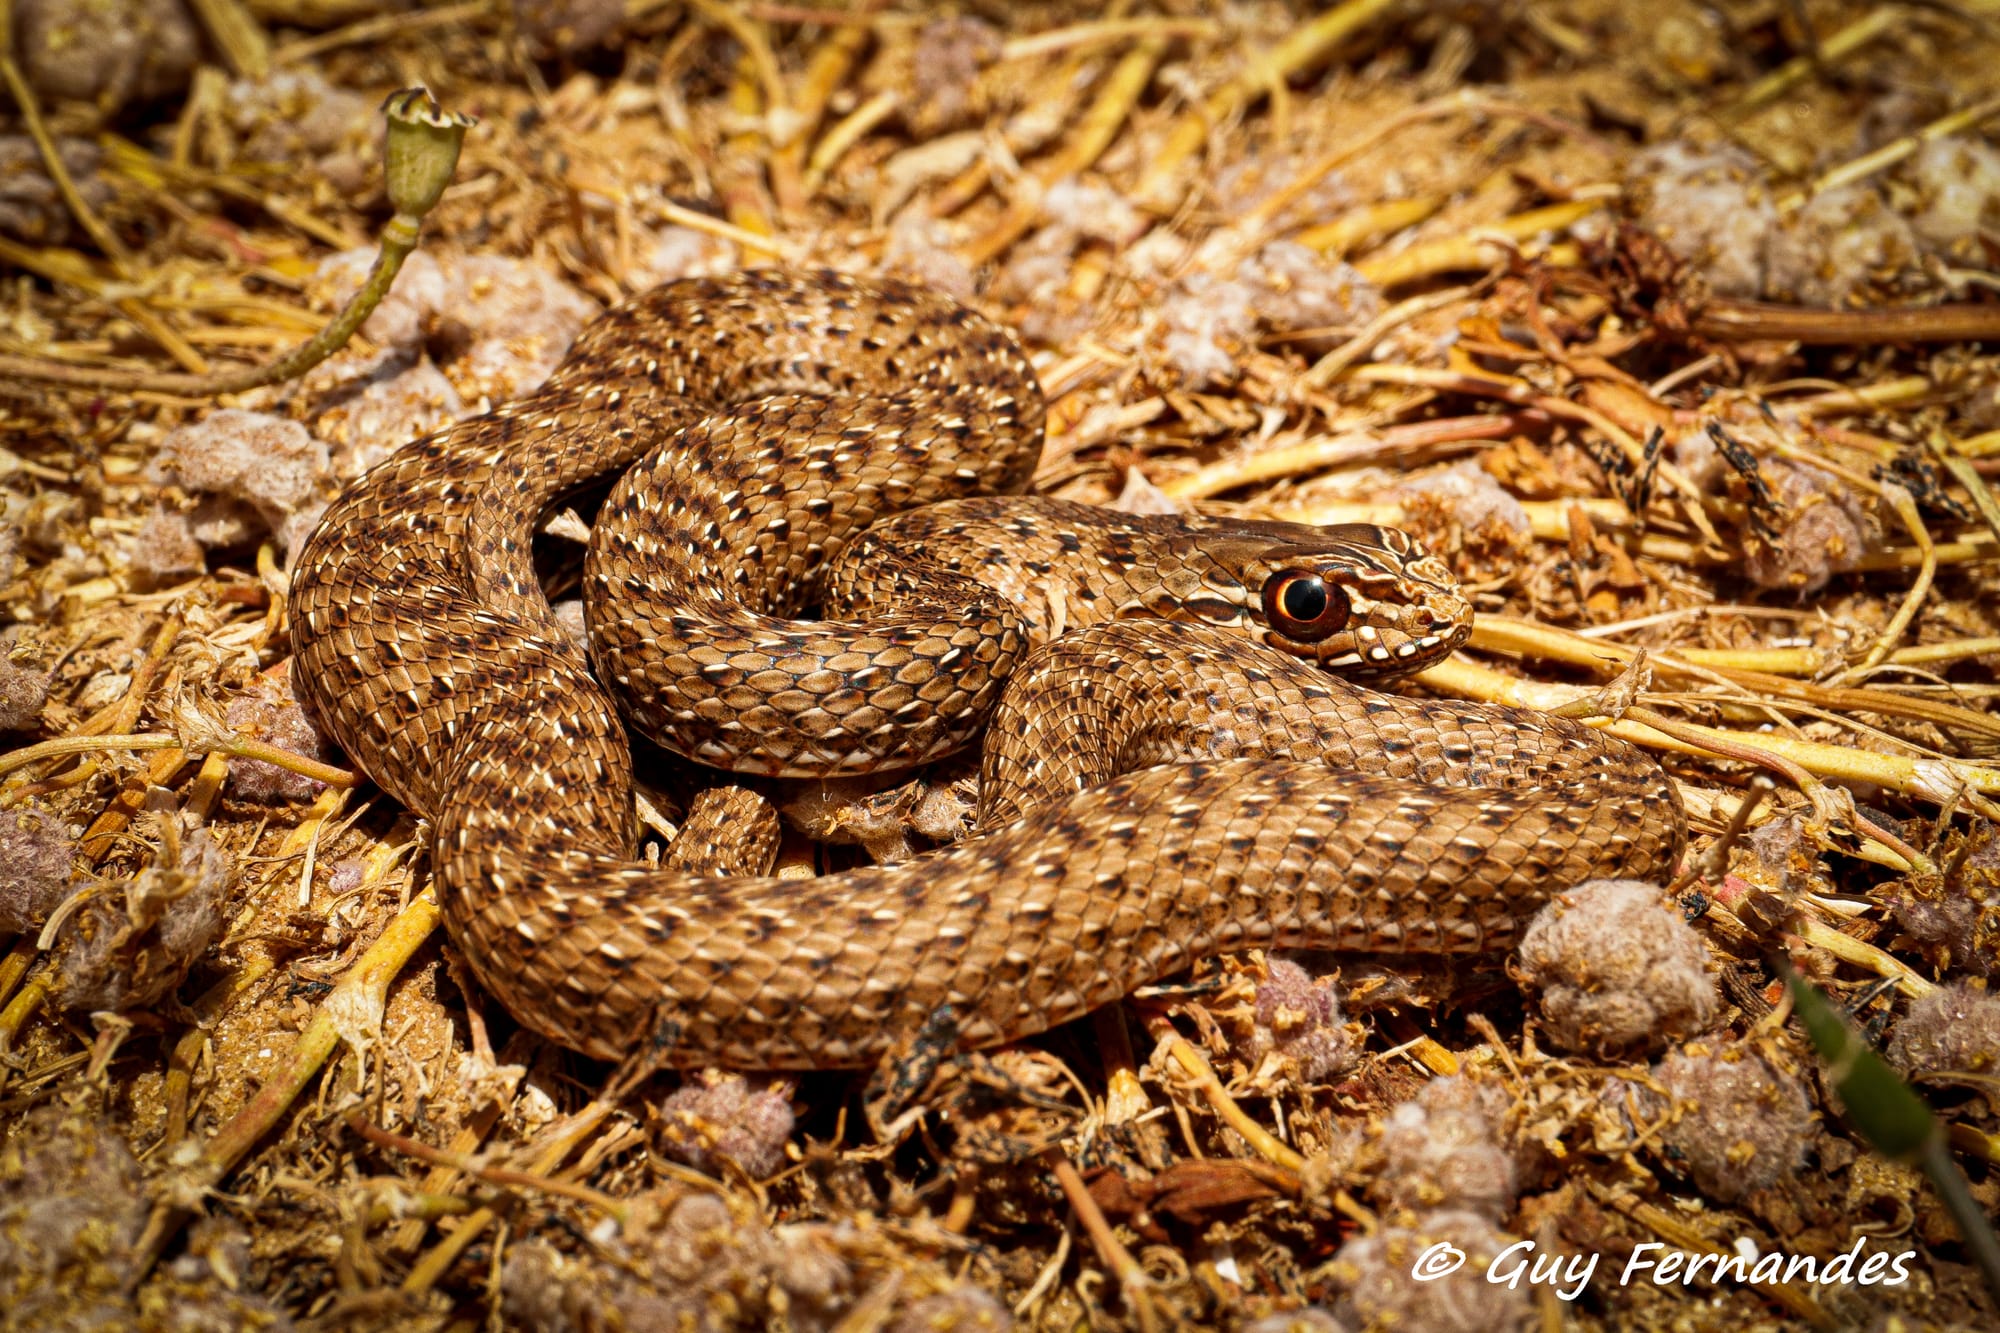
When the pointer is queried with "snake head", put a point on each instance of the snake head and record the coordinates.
(1361, 599)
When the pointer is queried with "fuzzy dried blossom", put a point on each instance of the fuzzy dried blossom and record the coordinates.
(1952, 1035)
(1297, 1018)
(1446, 1148)
(1616, 969)
(130, 944)
(36, 854)
(717, 1120)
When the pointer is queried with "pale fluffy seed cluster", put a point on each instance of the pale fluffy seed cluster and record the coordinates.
(268, 711)
(1949, 918)
(945, 66)
(36, 852)
(1617, 969)
(1738, 1124)
(455, 335)
(1837, 245)
(1381, 1290)
(1952, 1035)
(1285, 287)
(132, 944)
(565, 27)
(24, 692)
(1296, 1018)
(1823, 528)
(1712, 208)
(1447, 1148)
(31, 208)
(692, 1262)
(71, 1208)
(1717, 210)
(1957, 185)
(105, 52)
(1474, 499)
(719, 1119)
(249, 473)
(73, 1203)
(294, 116)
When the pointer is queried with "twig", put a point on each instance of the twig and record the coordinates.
(422, 154)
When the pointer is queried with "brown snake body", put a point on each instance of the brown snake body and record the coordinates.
(779, 416)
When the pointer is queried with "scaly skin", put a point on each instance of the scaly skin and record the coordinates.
(795, 411)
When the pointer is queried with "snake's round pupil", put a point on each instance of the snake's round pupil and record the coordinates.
(1304, 599)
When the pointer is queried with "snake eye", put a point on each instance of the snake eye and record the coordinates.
(1302, 607)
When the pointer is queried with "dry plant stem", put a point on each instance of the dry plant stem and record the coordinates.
(1714, 863)
(418, 1207)
(206, 789)
(1756, 321)
(421, 156)
(1724, 896)
(440, 1179)
(1732, 745)
(181, 1062)
(129, 160)
(1312, 456)
(21, 1008)
(1876, 23)
(1165, 178)
(237, 747)
(1899, 624)
(1679, 1234)
(1102, 31)
(1111, 1252)
(1464, 101)
(1357, 349)
(1548, 519)
(401, 24)
(1368, 224)
(395, 249)
(118, 814)
(1953, 460)
(757, 242)
(1888, 155)
(1203, 1076)
(751, 35)
(363, 989)
(792, 177)
(143, 676)
(1509, 634)
(1974, 1142)
(68, 745)
(244, 45)
(15, 964)
(1508, 389)
(437, 1261)
(1115, 100)
(1475, 251)
(738, 171)
(1926, 779)
(845, 133)
(467, 1165)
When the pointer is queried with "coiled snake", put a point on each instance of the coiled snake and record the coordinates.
(778, 422)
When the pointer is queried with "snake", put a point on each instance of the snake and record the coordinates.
(816, 557)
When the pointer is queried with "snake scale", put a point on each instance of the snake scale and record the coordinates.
(806, 441)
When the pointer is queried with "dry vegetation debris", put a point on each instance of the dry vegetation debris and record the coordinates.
(1672, 329)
